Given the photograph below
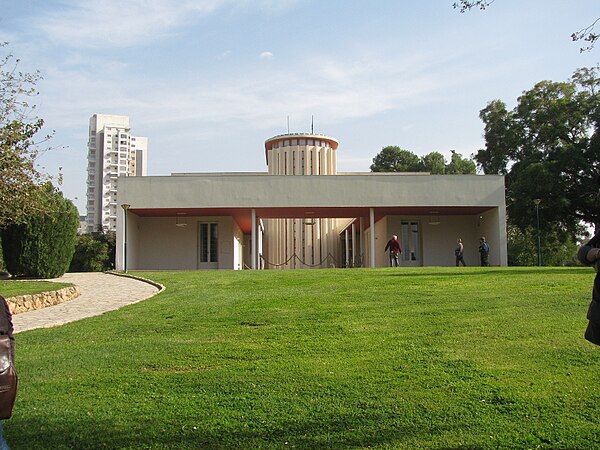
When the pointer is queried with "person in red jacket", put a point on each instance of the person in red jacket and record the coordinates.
(394, 248)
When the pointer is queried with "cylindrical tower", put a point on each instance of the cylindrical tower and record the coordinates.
(306, 242)
(301, 154)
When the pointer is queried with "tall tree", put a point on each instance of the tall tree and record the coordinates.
(459, 165)
(548, 147)
(395, 159)
(434, 163)
(20, 181)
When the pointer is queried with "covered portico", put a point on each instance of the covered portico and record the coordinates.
(173, 222)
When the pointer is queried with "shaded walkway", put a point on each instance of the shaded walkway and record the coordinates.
(100, 292)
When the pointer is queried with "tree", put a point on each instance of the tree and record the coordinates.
(395, 159)
(557, 248)
(586, 34)
(459, 165)
(42, 245)
(548, 147)
(91, 255)
(20, 181)
(434, 163)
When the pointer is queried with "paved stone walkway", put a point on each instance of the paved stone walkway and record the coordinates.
(100, 292)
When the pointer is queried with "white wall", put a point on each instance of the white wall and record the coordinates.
(161, 245)
(155, 243)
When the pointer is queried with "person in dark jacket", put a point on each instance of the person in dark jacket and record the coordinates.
(484, 252)
(6, 328)
(394, 248)
(589, 254)
(459, 253)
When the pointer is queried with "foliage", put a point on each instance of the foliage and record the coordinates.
(90, 255)
(586, 34)
(2, 265)
(43, 244)
(458, 165)
(482, 358)
(556, 248)
(548, 147)
(395, 159)
(467, 5)
(94, 252)
(20, 181)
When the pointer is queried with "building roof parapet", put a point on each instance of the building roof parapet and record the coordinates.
(280, 137)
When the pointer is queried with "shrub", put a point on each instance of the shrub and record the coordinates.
(91, 255)
(43, 245)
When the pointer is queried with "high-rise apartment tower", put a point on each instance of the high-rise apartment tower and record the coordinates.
(112, 151)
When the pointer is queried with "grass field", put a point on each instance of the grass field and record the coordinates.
(381, 358)
(11, 288)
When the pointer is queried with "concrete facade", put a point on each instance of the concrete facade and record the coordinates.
(112, 152)
(309, 242)
(180, 222)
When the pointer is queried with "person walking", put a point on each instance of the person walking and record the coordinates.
(484, 251)
(458, 252)
(394, 251)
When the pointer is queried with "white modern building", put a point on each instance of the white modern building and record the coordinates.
(302, 213)
(112, 152)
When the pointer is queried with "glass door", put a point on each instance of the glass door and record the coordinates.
(411, 244)
(208, 248)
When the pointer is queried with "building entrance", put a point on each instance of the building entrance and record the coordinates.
(411, 244)
(208, 248)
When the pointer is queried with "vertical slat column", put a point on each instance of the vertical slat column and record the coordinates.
(372, 224)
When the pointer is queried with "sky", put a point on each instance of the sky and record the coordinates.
(208, 81)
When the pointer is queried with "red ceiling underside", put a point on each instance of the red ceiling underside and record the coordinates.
(243, 216)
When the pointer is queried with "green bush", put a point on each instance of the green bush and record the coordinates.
(91, 255)
(43, 245)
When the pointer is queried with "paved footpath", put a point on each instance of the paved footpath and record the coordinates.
(100, 292)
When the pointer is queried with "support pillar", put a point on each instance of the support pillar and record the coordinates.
(253, 251)
(372, 223)
(347, 255)
(362, 241)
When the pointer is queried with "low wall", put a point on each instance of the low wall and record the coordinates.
(31, 302)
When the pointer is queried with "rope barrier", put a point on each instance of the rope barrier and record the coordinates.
(326, 259)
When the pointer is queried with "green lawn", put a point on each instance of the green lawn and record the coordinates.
(12, 288)
(356, 358)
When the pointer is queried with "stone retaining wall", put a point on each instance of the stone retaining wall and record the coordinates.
(30, 302)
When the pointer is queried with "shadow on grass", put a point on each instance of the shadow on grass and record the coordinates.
(347, 431)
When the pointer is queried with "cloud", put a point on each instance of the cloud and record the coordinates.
(91, 24)
(335, 90)
(117, 23)
(266, 55)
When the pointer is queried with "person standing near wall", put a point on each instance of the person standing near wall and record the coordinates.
(394, 251)
(484, 252)
(459, 252)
